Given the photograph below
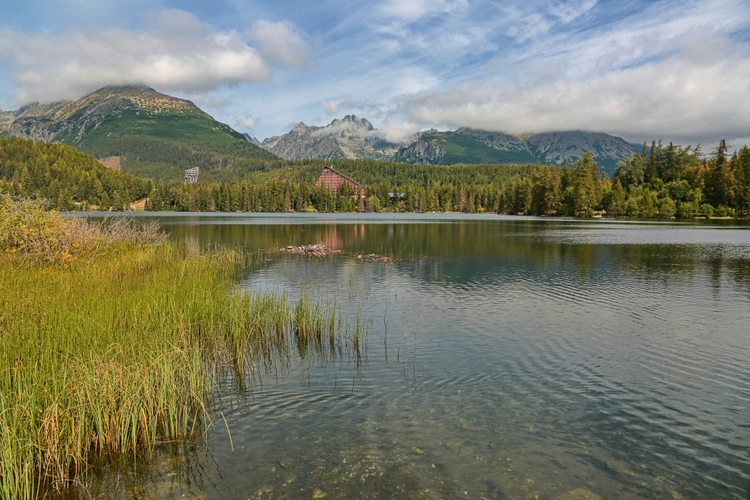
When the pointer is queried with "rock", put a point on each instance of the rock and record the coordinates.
(318, 493)
(578, 494)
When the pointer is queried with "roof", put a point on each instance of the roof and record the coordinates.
(336, 172)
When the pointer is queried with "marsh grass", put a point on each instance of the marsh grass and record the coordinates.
(119, 352)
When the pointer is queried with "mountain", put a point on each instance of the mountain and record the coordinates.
(356, 138)
(467, 145)
(555, 147)
(6, 118)
(139, 125)
(349, 138)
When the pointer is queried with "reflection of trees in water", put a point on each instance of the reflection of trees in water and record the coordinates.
(481, 248)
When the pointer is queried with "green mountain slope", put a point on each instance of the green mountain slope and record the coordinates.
(459, 149)
(64, 175)
(148, 130)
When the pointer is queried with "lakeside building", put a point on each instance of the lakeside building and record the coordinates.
(191, 175)
(333, 180)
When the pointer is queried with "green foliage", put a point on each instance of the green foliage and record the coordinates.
(64, 176)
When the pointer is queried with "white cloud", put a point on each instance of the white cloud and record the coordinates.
(414, 80)
(245, 122)
(674, 98)
(174, 52)
(568, 10)
(281, 42)
(331, 107)
(397, 133)
(413, 10)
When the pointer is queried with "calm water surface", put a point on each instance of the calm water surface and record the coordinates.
(505, 358)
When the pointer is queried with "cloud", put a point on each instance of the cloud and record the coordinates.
(331, 107)
(674, 97)
(413, 10)
(569, 10)
(396, 133)
(281, 42)
(174, 52)
(245, 122)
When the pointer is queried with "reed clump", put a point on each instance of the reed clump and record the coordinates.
(119, 352)
(35, 234)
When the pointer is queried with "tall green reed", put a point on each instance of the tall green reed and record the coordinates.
(117, 354)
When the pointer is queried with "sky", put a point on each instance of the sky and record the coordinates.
(676, 70)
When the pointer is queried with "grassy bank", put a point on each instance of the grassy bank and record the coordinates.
(111, 345)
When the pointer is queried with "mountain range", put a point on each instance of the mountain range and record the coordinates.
(356, 138)
(158, 136)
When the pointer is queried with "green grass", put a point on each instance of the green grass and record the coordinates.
(115, 351)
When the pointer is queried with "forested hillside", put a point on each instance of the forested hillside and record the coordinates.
(662, 181)
(145, 129)
(67, 177)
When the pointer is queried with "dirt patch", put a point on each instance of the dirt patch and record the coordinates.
(112, 162)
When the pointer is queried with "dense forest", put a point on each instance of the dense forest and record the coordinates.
(661, 181)
(66, 177)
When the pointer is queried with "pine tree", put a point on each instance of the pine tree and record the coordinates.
(741, 168)
(719, 180)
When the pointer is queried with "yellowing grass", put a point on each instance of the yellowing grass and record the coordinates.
(119, 353)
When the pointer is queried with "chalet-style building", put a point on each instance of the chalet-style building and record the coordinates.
(333, 181)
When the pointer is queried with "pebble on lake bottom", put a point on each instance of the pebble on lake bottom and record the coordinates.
(318, 493)
(578, 494)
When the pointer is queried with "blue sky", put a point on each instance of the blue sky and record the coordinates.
(676, 70)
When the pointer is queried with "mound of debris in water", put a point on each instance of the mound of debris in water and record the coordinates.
(377, 258)
(319, 250)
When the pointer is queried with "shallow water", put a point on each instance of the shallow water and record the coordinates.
(506, 357)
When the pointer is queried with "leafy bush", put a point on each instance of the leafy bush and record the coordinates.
(30, 231)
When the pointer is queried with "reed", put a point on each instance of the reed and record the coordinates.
(120, 351)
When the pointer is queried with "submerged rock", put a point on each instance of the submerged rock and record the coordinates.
(578, 494)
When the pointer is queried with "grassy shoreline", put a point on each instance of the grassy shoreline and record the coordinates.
(115, 351)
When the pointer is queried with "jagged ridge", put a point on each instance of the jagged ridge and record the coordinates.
(348, 138)
(356, 138)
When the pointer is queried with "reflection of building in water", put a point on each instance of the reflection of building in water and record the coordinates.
(191, 175)
(339, 237)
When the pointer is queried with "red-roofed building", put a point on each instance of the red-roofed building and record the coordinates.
(333, 180)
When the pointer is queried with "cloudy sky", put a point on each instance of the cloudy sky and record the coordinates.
(676, 70)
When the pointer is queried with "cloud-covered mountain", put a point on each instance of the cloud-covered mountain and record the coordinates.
(356, 138)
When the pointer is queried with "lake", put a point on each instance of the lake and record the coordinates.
(505, 357)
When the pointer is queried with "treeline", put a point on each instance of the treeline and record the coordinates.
(666, 181)
(662, 181)
(283, 195)
(66, 177)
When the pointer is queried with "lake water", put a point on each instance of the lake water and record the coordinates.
(506, 357)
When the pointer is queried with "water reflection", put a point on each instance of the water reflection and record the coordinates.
(505, 359)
